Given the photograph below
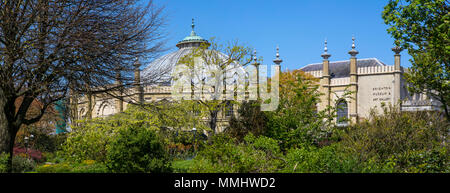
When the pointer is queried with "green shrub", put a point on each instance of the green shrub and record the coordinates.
(89, 139)
(328, 159)
(22, 164)
(4, 162)
(397, 141)
(225, 154)
(137, 149)
(422, 161)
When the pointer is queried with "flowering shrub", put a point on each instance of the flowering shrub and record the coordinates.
(36, 155)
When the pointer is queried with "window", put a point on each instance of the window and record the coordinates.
(229, 109)
(342, 113)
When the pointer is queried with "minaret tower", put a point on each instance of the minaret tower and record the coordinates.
(256, 64)
(353, 102)
(397, 74)
(278, 62)
(325, 81)
(119, 100)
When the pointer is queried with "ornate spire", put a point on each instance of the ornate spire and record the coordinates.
(193, 26)
(353, 52)
(325, 54)
(278, 60)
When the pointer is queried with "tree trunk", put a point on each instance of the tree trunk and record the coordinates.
(7, 130)
(213, 122)
(444, 104)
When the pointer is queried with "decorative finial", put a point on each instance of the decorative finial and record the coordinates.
(326, 55)
(397, 49)
(353, 52)
(278, 60)
(353, 42)
(193, 26)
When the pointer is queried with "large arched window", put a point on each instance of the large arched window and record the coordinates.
(342, 113)
(229, 109)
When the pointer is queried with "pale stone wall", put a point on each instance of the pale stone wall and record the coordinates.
(374, 86)
(373, 90)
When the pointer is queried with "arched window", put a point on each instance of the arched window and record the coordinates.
(229, 109)
(342, 113)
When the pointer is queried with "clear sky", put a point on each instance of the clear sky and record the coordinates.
(299, 27)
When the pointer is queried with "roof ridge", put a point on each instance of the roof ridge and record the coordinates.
(331, 62)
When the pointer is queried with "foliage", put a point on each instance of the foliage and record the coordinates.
(217, 61)
(297, 121)
(328, 159)
(255, 154)
(4, 162)
(395, 137)
(28, 152)
(89, 139)
(87, 166)
(137, 149)
(250, 120)
(422, 161)
(21, 164)
(105, 37)
(182, 166)
(422, 26)
(179, 115)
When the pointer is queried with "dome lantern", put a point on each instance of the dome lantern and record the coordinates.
(193, 40)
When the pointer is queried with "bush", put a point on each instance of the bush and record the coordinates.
(34, 154)
(4, 162)
(422, 161)
(137, 149)
(250, 120)
(225, 154)
(21, 164)
(328, 159)
(88, 141)
(400, 141)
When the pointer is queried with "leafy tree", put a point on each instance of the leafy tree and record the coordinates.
(423, 27)
(297, 121)
(50, 47)
(217, 60)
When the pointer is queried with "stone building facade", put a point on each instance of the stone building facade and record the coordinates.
(368, 83)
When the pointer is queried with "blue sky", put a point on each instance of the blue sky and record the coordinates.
(299, 27)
